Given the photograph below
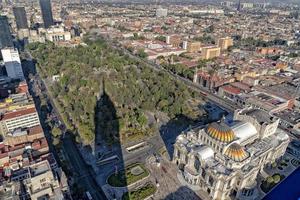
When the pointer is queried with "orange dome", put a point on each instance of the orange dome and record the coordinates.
(236, 152)
(221, 132)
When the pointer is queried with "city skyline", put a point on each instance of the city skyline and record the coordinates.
(153, 99)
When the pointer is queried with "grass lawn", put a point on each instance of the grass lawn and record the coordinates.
(125, 177)
(141, 193)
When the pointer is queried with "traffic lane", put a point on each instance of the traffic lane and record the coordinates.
(74, 156)
(86, 178)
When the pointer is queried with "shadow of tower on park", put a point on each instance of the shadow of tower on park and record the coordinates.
(107, 147)
(106, 122)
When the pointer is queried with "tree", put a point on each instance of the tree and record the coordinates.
(142, 54)
(135, 36)
(161, 38)
(269, 181)
(56, 132)
(210, 29)
(142, 120)
(276, 178)
(55, 141)
(133, 88)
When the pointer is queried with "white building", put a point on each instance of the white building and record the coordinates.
(225, 160)
(56, 34)
(161, 12)
(12, 63)
(207, 11)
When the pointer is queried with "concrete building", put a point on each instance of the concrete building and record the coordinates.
(42, 179)
(269, 50)
(210, 52)
(46, 9)
(35, 37)
(5, 35)
(192, 47)
(174, 40)
(225, 43)
(17, 119)
(57, 34)
(247, 5)
(20, 17)
(225, 160)
(12, 63)
(265, 101)
(161, 12)
(42, 182)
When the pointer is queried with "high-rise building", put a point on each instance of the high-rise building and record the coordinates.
(210, 52)
(12, 63)
(239, 6)
(225, 43)
(20, 17)
(47, 13)
(5, 35)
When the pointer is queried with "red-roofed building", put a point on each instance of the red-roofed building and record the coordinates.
(211, 81)
(229, 91)
(13, 120)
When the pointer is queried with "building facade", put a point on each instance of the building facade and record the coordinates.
(174, 40)
(20, 17)
(225, 43)
(46, 9)
(57, 34)
(5, 35)
(224, 159)
(17, 119)
(210, 52)
(192, 47)
(12, 63)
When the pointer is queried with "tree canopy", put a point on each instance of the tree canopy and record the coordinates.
(132, 87)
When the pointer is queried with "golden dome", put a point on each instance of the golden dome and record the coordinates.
(221, 132)
(236, 152)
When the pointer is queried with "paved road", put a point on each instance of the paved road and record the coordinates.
(85, 175)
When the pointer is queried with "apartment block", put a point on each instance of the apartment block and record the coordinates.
(210, 52)
(225, 43)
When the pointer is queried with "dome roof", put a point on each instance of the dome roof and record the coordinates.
(236, 152)
(220, 131)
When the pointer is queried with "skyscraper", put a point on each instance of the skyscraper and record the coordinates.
(12, 63)
(5, 35)
(21, 18)
(239, 6)
(47, 13)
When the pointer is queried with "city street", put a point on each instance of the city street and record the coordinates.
(85, 176)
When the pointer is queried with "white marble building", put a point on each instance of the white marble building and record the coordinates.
(225, 159)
